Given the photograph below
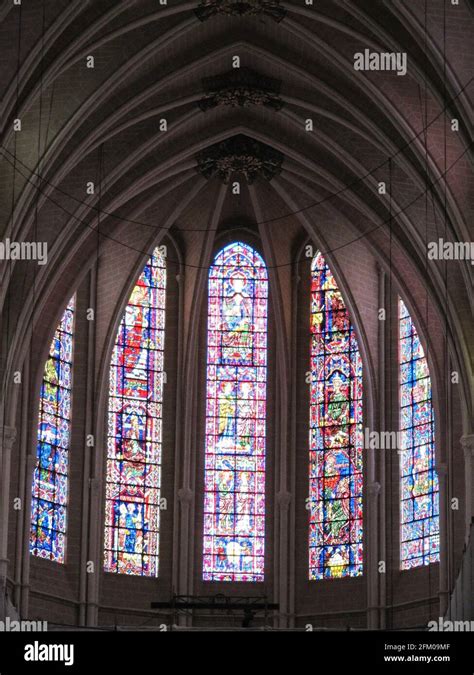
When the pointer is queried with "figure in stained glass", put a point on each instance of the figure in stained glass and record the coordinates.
(335, 529)
(234, 505)
(419, 486)
(50, 478)
(132, 521)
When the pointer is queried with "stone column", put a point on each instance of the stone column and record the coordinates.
(372, 539)
(384, 382)
(185, 498)
(94, 553)
(467, 443)
(442, 471)
(24, 600)
(90, 411)
(292, 464)
(283, 499)
(7, 439)
(179, 427)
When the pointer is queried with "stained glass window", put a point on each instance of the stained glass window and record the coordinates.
(50, 478)
(335, 471)
(419, 508)
(234, 503)
(132, 520)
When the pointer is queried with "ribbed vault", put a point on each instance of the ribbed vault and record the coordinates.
(104, 124)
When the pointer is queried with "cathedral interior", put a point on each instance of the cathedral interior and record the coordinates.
(236, 303)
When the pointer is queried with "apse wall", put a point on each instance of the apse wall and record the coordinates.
(68, 594)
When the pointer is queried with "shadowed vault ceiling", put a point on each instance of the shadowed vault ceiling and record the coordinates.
(151, 122)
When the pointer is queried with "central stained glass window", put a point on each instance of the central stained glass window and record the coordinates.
(134, 429)
(419, 509)
(234, 502)
(336, 440)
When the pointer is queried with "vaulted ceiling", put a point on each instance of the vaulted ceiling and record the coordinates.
(159, 62)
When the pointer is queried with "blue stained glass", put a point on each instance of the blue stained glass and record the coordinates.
(419, 488)
(234, 501)
(50, 478)
(133, 491)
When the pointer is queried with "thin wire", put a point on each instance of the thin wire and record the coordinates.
(288, 264)
(392, 306)
(337, 193)
(449, 487)
(427, 332)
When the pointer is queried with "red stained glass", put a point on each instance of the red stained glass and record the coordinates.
(234, 503)
(132, 519)
(336, 416)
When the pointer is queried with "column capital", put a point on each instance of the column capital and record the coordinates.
(185, 495)
(380, 269)
(283, 499)
(467, 444)
(374, 489)
(7, 437)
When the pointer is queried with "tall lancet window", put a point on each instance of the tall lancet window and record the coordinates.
(234, 502)
(419, 508)
(336, 439)
(132, 516)
(50, 478)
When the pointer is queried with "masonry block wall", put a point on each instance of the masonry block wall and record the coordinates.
(102, 124)
(58, 593)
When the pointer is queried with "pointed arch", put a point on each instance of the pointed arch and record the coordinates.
(419, 486)
(336, 435)
(50, 478)
(134, 444)
(236, 397)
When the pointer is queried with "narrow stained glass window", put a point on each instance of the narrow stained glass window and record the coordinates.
(50, 478)
(234, 506)
(419, 508)
(335, 471)
(132, 516)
